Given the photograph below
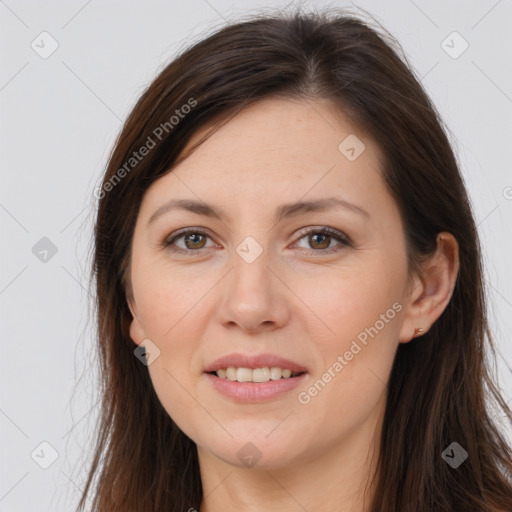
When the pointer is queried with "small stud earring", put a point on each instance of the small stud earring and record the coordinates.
(417, 332)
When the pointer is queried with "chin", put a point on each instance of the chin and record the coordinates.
(255, 453)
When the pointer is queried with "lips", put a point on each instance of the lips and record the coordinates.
(253, 362)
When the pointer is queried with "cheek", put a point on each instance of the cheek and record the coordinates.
(175, 393)
(348, 303)
(171, 304)
(166, 297)
(175, 327)
(360, 315)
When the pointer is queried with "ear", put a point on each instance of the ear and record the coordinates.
(431, 292)
(136, 329)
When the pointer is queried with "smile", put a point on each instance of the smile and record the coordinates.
(265, 374)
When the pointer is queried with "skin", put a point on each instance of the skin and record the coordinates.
(293, 300)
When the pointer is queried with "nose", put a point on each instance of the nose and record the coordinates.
(253, 297)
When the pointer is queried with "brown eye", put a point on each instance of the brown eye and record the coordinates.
(193, 240)
(196, 241)
(320, 240)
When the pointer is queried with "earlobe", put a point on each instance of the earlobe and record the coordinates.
(136, 332)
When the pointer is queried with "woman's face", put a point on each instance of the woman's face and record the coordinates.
(258, 281)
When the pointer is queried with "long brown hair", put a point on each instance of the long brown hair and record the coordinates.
(440, 389)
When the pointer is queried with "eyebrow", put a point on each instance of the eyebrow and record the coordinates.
(283, 211)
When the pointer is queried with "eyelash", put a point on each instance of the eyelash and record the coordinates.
(332, 233)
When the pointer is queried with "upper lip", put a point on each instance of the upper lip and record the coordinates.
(253, 362)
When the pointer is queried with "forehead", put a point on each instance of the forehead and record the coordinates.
(274, 149)
(291, 128)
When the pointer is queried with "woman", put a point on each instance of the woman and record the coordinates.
(290, 302)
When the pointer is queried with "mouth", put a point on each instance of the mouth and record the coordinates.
(250, 378)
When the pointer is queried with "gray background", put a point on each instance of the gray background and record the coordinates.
(59, 119)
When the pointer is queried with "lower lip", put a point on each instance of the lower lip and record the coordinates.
(246, 392)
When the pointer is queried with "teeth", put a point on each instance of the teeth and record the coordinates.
(276, 373)
(258, 375)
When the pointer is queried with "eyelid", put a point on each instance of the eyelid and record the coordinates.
(324, 229)
(168, 240)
